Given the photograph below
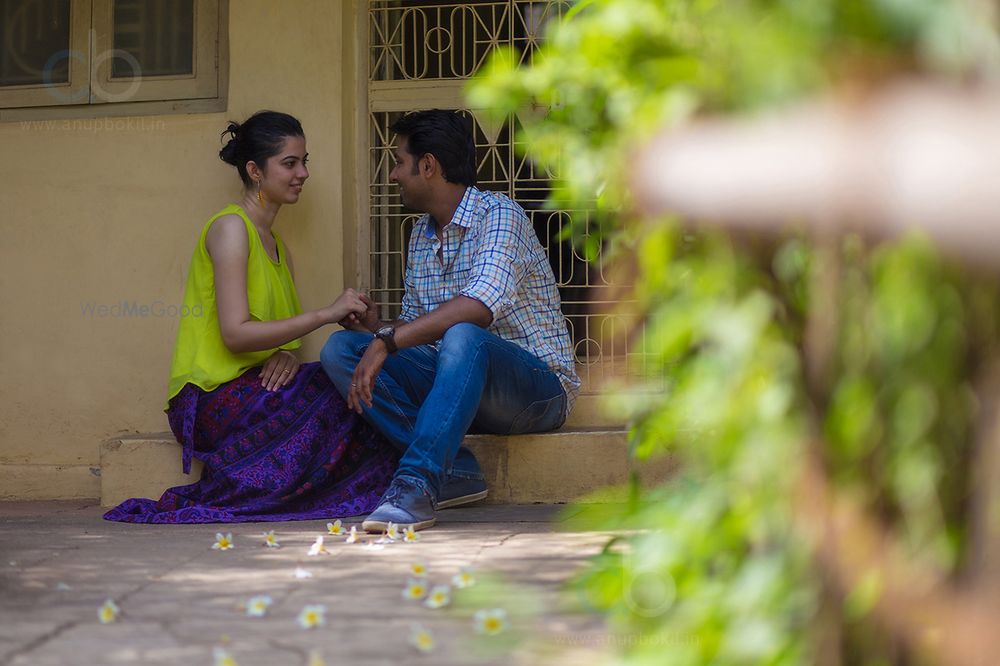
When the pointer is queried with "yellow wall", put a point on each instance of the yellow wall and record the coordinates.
(106, 211)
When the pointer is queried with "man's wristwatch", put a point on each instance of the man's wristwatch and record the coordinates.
(387, 335)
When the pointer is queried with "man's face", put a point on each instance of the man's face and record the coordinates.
(406, 174)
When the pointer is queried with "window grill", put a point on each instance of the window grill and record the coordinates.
(420, 54)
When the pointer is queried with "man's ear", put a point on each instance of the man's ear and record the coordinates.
(429, 165)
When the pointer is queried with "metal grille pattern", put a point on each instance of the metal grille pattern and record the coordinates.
(450, 40)
(601, 339)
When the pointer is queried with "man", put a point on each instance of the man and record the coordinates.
(480, 341)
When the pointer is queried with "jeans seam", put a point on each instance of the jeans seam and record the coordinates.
(392, 401)
(545, 400)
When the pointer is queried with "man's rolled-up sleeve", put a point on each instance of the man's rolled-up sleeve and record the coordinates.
(499, 264)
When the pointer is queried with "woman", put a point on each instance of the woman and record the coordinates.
(277, 440)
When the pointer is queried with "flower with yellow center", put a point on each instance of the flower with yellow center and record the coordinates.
(421, 638)
(318, 548)
(392, 531)
(463, 578)
(336, 528)
(490, 622)
(439, 597)
(418, 570)
(109, 612)
(223, 541)
(410, 535)
(222, 657)
(312, 616)
(257, 606)
(416, 588)
(270, 541)
(353, 536)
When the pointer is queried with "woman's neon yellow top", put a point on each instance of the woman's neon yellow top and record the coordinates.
(200, 356)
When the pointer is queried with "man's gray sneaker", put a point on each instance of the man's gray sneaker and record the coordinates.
(458, 490)
(403, 503)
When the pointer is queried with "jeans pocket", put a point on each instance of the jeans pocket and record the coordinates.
(540, 416)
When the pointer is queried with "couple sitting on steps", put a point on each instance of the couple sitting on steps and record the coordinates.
(376, 427)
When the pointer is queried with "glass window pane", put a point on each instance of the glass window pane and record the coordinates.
(34, 42)
(156, 38)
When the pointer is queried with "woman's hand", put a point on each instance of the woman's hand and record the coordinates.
(279, 370)
(347, 304)
(368, 321)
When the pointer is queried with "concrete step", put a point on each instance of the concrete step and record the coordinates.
(523, 469)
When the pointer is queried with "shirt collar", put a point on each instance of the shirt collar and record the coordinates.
(464, 214)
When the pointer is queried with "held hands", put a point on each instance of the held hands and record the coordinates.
(279, 370)
(365, 321)
(349, 305)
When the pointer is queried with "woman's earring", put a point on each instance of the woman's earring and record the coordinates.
(260, 197)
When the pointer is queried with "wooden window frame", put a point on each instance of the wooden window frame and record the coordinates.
(91, 90)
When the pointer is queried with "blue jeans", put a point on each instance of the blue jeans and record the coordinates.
(426, 398)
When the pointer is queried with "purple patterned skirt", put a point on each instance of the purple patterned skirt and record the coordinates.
(297, 453)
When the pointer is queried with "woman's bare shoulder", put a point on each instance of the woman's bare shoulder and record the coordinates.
(227, 232)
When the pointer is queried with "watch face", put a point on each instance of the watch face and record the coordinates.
(384, 331)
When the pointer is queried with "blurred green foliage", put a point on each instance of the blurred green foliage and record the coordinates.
(716, 571)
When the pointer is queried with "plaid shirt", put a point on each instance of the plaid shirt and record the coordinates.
(490, 253)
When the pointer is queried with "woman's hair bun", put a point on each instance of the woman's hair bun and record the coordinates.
(257, 139)
(228, 152)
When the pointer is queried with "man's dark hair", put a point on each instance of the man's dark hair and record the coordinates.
(447, 135)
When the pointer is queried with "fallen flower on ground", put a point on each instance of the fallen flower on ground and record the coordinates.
(270, 541)
(257, 606)
(318, 548)
(223, 541)
(439, 597)
(416, 588)
(463, 578)
(418, 569)
(392, 531)
(312, 616)
(410, 535)
(421, 638)
(223, 658)
(490, 622)
(301, 573)
(353, 536)
(109, 612)
(316, 658)
(336, 528)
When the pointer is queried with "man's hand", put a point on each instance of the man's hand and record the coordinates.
(369, 321)
(279, 370)
(364, 376)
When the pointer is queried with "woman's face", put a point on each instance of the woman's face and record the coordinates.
(286, 172)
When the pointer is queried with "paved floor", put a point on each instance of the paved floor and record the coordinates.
(180, 599)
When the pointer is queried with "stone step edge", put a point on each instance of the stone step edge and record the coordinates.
(552, 467)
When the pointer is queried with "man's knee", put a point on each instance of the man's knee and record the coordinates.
(343, 349)
(463, 338)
